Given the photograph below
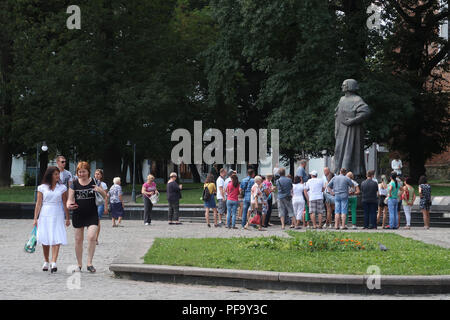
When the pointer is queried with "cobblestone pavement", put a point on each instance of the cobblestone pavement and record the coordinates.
(22, 278)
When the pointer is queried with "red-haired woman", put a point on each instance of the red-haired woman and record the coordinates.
(82, 202)
(51, 211)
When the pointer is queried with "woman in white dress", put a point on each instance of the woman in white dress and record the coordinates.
(298, 200)
(49, 216)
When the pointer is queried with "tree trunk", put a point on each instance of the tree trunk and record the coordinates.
(112, 161)
(124, 170)
(292, 166)
(6, 107)
(139, 177)
(5, 165)
(43, 164)
(195, 175)
(165, 171)
(416, 166)
(176, 170)
(157, 171)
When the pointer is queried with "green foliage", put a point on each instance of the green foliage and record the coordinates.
(137, 70)
(311, 242)
(131, 67)
(418, 56)
(29, 179)
(272, 243)
(90, 82)
(287, 60)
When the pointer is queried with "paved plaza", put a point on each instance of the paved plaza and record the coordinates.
(22, 278)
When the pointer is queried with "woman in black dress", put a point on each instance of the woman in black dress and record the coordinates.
(425, 200)
(82, 202)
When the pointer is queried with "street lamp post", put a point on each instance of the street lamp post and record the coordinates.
(43, 148)
(133, 193)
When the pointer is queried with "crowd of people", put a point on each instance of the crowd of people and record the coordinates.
(311, 202)
(303, 201)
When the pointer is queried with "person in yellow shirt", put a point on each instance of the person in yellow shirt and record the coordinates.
(209, 199)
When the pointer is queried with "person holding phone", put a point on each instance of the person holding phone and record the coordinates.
(101, 209)
(85, 215)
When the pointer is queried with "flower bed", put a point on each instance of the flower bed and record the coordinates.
(313, 241)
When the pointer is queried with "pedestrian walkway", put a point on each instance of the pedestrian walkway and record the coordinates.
(22, 278)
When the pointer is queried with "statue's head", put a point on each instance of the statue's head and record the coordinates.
(350, 85)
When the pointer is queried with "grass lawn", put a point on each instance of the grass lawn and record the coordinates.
(404, 257)
(191, 193)
(17, 194)
(436, 190)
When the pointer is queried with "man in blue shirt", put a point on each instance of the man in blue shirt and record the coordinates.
(285, 207)
(339, 186)
(301, 171)
(246, 188)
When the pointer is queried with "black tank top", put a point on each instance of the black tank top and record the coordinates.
(85, 198)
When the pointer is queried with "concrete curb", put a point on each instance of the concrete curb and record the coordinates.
(311, 282)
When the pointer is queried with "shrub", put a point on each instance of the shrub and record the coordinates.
(311, 242)
(325, 241)
(273, 242)
(29, 179)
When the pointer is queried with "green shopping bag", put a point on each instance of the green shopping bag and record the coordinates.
(30, 246)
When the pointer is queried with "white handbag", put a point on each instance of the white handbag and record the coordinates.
(154, 198)
(99, 200)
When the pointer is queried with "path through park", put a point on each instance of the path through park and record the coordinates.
(22, 278)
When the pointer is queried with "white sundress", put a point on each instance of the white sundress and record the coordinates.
(298, 202)
(51, 229)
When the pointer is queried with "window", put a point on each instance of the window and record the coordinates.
(444, 28)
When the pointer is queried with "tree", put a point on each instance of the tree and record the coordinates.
(6, 106)
(296, 55)
(85, 89)
(233, 83)
(419, 57)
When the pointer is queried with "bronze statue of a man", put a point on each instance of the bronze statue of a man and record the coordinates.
(350, 114)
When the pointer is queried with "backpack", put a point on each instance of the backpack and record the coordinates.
(206, 194)
(255, 218)
(242, 192)
(405, 195)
